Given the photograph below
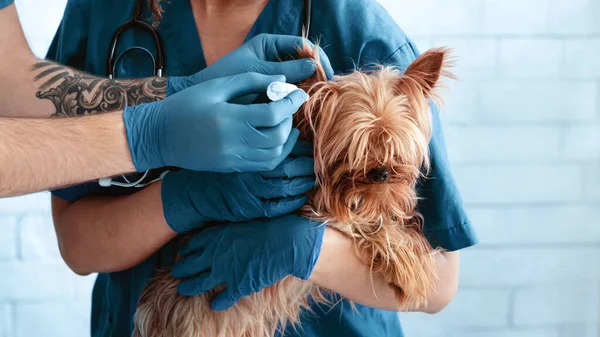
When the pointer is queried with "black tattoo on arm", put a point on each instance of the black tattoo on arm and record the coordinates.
(75, 93)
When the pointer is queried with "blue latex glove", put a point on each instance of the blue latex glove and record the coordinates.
(248, 257)
(262, 54)
(191, 199)
(303, 148)
(199, 129)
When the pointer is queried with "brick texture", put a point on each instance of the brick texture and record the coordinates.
(8, 238)
(511, 333)
(515, 17)
(38, 238)
(557, 305)
(5, 320)
(65, 318)
(525, 226)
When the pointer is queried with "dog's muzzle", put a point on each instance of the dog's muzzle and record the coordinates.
(379, 175)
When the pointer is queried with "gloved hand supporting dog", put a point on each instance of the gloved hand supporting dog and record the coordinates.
(192, 199)
(247, 257)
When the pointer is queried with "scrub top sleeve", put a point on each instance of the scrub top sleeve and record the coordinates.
(5, 3)
(446, 223)
(69, 45)
(77, 192)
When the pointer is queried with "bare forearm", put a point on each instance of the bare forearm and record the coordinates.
(41, 154)
(33, 88)
(340, 270)
(47, 89)
(100, 234)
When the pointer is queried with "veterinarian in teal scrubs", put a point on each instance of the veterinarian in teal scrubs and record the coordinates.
(353, 33)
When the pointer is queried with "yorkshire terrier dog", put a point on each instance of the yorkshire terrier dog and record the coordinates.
(371, 132)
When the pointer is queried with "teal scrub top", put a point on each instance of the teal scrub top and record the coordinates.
(5, 3)
(353, 33)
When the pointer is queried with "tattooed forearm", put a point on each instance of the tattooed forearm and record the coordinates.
(75, 93)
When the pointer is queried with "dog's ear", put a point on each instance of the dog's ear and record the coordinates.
(318, 89)
(426, 70)
(312, 53)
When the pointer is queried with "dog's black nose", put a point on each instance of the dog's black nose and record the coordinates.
(379, 175)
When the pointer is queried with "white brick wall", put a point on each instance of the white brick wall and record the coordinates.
(5, 320)
(556, 305)
(580, 58)
(523, 134)
(8, 239)
(67, 318)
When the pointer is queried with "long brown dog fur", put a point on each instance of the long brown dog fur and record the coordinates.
(358, 122)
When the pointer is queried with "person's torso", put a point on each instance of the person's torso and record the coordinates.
(349, 32)
(345, 319)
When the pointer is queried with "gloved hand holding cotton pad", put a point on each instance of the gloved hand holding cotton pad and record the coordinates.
(278, 90)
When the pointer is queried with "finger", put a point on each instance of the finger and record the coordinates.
(274, 113)
(266, 138)
(300, 186)
(244, 84)
(249, 99)
(295, 70)
(283, 188)
(324, 60)
(198, 285)
(198, 242)
(276, 208)
(190, 266)
(287, 46)
(285, 161)
(224, 300)
(261, 155)
(303, 148)
(300, 69)
(277, 47)
(287, 148)
(296, 167)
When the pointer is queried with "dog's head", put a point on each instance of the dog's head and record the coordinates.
(371, 132)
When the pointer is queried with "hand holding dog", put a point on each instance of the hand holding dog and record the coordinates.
(248, 257)
(191, 199)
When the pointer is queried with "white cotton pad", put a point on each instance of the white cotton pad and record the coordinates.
(278, 90)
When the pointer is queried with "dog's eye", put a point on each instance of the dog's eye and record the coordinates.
(379, 175)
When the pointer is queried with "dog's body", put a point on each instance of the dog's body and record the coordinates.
(370, 132)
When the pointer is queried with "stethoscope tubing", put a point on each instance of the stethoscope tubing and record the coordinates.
(158, 62)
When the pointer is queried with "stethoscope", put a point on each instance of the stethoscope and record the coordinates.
(158, 62)
(137, 22)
